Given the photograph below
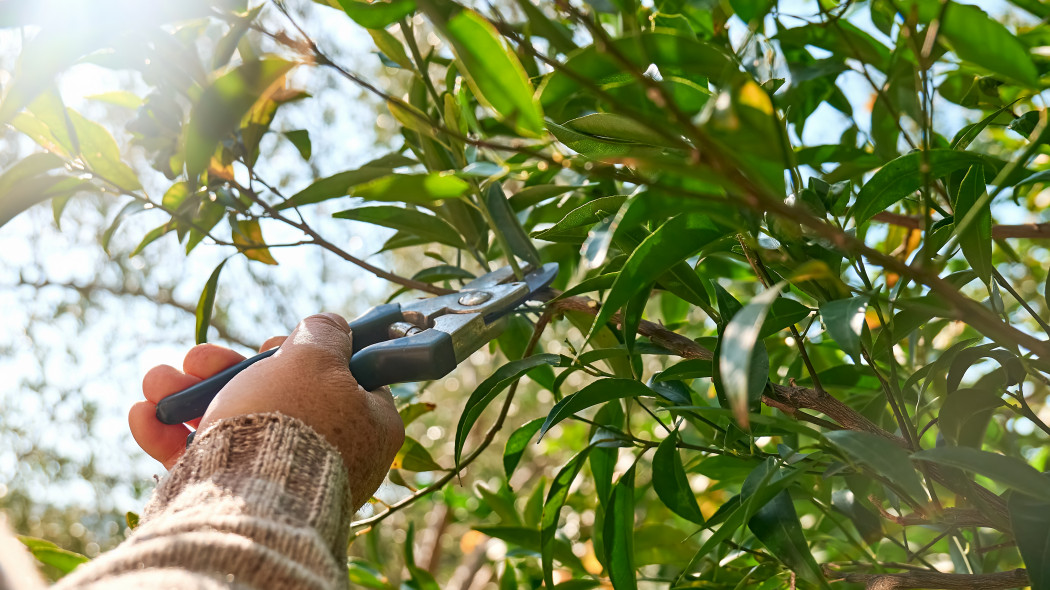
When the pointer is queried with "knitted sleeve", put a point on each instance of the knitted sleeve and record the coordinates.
(257, 501)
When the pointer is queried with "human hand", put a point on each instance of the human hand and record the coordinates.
(308, 378)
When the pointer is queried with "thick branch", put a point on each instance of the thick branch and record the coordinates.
(1017, 578)
(1035, 231)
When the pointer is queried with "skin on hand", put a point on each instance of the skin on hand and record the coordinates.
(308, 378)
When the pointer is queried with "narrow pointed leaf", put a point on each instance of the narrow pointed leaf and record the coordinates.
(670, 482)
(206, 303)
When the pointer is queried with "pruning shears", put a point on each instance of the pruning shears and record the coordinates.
(398, 343)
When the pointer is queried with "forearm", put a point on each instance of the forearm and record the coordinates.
(259, 501)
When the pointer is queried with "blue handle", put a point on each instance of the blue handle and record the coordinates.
(368, 329)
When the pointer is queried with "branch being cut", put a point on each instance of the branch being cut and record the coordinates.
(1017, 578)
(1034, 231)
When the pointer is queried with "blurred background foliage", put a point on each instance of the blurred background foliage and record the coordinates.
(815, 230)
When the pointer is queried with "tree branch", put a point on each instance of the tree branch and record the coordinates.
(1034, 231)
(1017, 578)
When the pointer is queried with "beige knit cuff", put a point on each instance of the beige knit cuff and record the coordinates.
(278, 468)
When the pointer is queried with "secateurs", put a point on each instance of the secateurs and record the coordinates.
(395, 343)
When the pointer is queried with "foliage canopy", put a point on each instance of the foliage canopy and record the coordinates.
(821, 353)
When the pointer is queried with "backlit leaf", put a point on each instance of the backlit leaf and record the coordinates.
(206, 303)
(221, 106)
(493, 71)
(427, 227)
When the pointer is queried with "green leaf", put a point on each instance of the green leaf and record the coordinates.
(1009, 471)
(488, 389)
(391, 47)
(222, 105)
(593, 394)
(442, 272)
(743, 364)
(687, 369)
(100, 152)
(491, 69)
(552, 509)
(763, 483)
(844, 320)
(24, 184)
(300, 138)
(783, 313)
(377, 15)
(964, 415)
(206, 303)
(977, 38)
(413, 188)
(903, 176)
(427, 227)
(882, 456)
(594, 147)
(973, 221)
(414, 457)
(132, 519)
(151, 236)
(501, 503)
(1030, 523)
(516, 444)
(670, 482)
(574, 226)
(618, 534)
(412, 412)
(666, 49)
(335, 186)
(677, 239)
(361, 573)
(620, 127)
(508, 225)
(777, 525)
(533, 195)
(529, 539)
(48, 553)
(509, 579)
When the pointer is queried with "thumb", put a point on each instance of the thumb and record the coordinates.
(321, 336)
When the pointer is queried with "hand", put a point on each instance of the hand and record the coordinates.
(308, 378)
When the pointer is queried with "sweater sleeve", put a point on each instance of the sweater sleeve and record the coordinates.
(257, 501)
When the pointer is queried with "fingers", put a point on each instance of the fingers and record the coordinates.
(164, 380)
(163, 442)
(205, 360)
(273, 342)
(327, 333)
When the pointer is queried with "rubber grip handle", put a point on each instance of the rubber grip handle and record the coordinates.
(369, 328)
(422, 357)
(190, 403)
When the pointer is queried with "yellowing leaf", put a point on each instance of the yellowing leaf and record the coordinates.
(247, 235)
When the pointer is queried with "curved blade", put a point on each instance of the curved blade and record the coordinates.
(537, 280)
